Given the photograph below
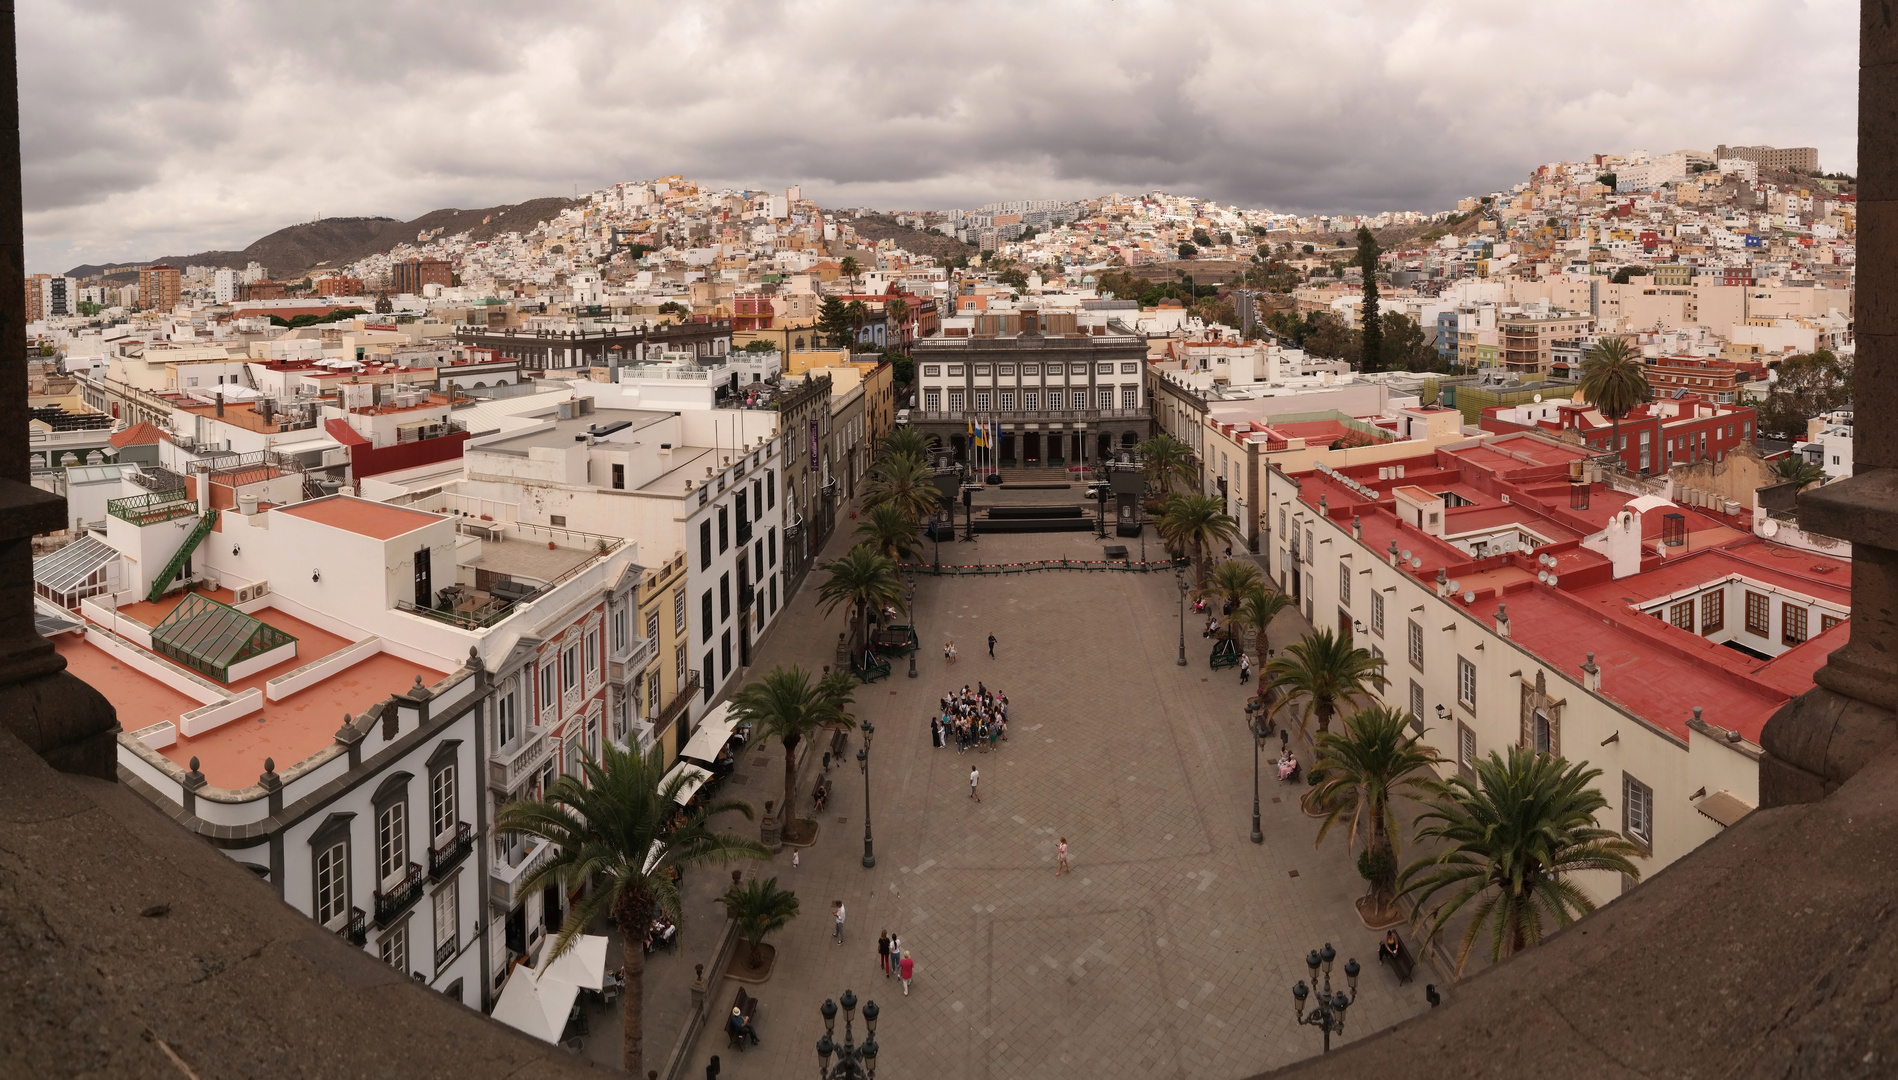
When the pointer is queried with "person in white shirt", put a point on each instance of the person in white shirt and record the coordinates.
(837, 909)
(974, 776)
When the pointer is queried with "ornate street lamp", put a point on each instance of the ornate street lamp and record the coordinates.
(863, 762)
(1255, 721)
(854, 1062)
(1327, 1013)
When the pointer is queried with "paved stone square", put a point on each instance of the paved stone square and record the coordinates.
(1170, 950)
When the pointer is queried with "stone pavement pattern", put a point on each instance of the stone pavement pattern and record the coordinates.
(1170, 950)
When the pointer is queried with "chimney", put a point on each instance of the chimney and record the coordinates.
(1443, 582)
(1357, 528)
(1394, 556)
(1502, 620)
(220, 403)
(1591, 675)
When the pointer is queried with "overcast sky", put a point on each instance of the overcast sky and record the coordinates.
(167, 128)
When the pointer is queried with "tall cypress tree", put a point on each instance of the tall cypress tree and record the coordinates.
(1372, 338)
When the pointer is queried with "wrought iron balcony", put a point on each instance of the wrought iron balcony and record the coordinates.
(445, 952)
(356, 928)
(400, 897)
(449, 854)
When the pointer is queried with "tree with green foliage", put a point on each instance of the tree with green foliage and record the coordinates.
(1230, 582)
(759, 347)
(1329, 670)
(759, 908)
(909, 442)
(902, 368)
(1405, 348)
(1804, 386)
(1370, 315)
(1254, 615)
(1376, 758)
(1606, 180)
(1200, 238)
(1013, 277)
(787, 705)
(1168, 463)
(673, 307)
(1511, 840)
(896, 309)
(857, 315)
(864, 580)
(850, 268)
(88, 308)
(1614, 380)
(609, 833)
(905, 481)
(1799, 470)
(889, 529)
(316, 319)
(1192, 525)
(833, 320)
(1188, 251)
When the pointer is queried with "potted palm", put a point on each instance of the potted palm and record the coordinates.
(760, 908)
(1358, 775)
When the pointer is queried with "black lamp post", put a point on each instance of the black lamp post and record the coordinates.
(1255, 722)
(912, 622)
(854, 1061)
(1180, 576)
(1327, 1012)
(863, 762)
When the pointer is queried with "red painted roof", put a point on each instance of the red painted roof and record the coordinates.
(361, 516)
(139, 434)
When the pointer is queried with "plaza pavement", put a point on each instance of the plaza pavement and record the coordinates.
(1172, 947)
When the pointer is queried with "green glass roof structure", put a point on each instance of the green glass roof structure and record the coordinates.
(211, 637)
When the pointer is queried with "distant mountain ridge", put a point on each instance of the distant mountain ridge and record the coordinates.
(334, 243)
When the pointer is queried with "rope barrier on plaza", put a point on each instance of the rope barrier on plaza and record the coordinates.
(977, 569)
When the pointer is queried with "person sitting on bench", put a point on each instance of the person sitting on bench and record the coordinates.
(740, 1027)
(1389, 948)
(1288, 764)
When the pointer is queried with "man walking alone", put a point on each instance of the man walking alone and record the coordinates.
(837, 909)
(991, 646)
(974, 793)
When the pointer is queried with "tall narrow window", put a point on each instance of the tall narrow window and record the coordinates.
(1792, 624)
(678, 610)
(442, 812)
(1637, 811)
(706, 621)
(392, 842)
(447, 920)
(1344, 584)
(1713, 612)
(332, 883)
(724, 530)
(1759, 617)
(1416, 700)
(1416, 645)
(705, 544)
(1681, 614)
(395, 948)
(1377, 613)
(1466, 684)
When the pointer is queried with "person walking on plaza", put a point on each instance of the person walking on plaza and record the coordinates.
(1245, 668)
(991, 646)
(975, 777)
(1061, 859)
(837, 909)
(896, 951)
(883, 952)
(906, 968)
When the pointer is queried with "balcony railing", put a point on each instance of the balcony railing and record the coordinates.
(445, 952)
(356, 929)
(507, 771)
(1037, 417)
(504, 881)
(449, 854)
(679, 703)
(152, 509)
(400, 897)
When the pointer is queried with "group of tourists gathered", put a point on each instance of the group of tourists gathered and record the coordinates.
(975, 719)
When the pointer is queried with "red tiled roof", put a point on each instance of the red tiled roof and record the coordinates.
(139, 434)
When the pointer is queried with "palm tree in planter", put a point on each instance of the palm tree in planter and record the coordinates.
(1799, 470)
(1256, 610)
(1229, 583)
(864, 579)
(1365, 767)
(904, 482)
(787, 706)
(889, 530)
(910, 443)
(608, 830)
(1193, 524)
(1169, 463)
(1512, 836)
(760, 908)
(1328, 670)
(1615, 380)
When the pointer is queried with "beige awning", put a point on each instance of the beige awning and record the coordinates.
(1724, 806)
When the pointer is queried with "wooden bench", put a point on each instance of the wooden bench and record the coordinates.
(1402, 963)
(839, 742)
(747, 1007)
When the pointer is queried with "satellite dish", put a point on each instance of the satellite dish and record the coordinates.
(1417, 562)
(1769, 527)
(1452, 586)
(1552, 581)
(1538, 399)
(1542, 575)
(1406, 554)
(1469, 598)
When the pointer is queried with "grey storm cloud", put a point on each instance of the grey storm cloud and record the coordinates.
(158, 128)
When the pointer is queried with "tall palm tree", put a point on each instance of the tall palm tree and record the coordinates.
(857, 315)
(897, 309)
(904, 482)
(1169, 463)
(609, 833)
(1192, 524)
(1256, 610)
(1230, 581)
(1328, 670)
(888, 529)
(759, 908)
(784, 704)
(909, 442)
(1799, 470)
(850, 268)
(864, 579)
(1376, 758)
(1513, 835)
(1615, 380)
